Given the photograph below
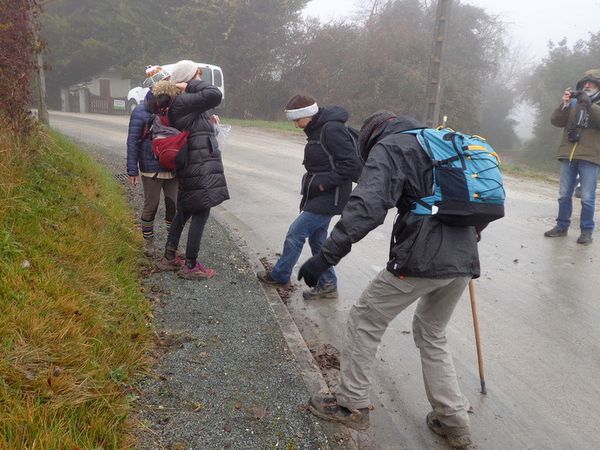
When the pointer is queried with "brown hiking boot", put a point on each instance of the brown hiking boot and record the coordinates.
(325, 407)
(556, 232)
(266, 278)
(585, 238)
(458, 438)
(318, 292)
(165, 264)
(149, 247)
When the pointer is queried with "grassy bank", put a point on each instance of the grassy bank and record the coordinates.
(72, 319)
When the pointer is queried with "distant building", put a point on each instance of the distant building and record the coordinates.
(104, 93)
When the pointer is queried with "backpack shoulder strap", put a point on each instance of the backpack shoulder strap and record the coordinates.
(419, 133)
(324, 147)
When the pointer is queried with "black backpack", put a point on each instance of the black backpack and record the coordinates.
(353, 133)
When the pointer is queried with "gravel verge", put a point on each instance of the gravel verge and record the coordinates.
(224, 375)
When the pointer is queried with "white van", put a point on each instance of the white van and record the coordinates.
(210, 73)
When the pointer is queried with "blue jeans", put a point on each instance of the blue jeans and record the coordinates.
(588, 177)
(307, 225)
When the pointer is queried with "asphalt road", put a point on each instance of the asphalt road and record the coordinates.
(538, 300)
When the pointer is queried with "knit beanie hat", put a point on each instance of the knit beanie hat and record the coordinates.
(301, 106)
(369, 126)
(184, 71)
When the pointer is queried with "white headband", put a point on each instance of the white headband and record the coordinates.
(308, 111)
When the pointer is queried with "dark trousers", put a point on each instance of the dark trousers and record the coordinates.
(194, 233)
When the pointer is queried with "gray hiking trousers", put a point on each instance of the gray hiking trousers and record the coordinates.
(384, 298)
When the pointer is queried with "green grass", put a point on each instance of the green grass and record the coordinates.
(73, 323)
(268, 124)
(525, 171)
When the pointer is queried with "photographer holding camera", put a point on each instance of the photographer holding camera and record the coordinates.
(579, 154)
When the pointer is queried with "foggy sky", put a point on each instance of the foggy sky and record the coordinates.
(530, 24)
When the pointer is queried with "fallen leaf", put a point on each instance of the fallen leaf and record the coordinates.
(259, 413)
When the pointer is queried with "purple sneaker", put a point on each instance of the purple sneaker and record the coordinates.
(198, 271)
(170, 264)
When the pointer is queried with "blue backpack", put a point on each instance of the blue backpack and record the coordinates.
(467, 182)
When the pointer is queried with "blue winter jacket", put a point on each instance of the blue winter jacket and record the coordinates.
(139, 150)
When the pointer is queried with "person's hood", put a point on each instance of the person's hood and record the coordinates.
(389, 126)
(591, 75)
(328, 114)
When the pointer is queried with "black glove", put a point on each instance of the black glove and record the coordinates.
(312, 270)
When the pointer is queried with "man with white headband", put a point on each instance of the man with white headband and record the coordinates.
(331, 162)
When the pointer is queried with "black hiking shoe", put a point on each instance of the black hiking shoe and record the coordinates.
(458, 438)
(556, 232)
(325, 407)
(325, 291)
(266, 278)
(585, 237)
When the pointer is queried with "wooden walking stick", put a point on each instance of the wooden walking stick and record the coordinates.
(473, 296)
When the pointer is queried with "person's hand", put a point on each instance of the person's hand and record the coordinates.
(182, 86)
(312, 270)
(133, 180)
(215, 120)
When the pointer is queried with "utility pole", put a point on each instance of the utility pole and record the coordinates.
(432, 92)
(40, 79)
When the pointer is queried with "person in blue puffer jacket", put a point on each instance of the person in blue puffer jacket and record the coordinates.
(141, 163)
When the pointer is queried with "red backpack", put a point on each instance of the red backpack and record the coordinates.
(167, 141)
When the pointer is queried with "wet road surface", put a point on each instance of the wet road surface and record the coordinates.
(538, 301)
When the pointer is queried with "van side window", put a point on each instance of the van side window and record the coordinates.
(207, 75)
(218, 78)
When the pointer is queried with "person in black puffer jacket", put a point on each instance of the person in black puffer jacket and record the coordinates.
(154, 178)
(200, 172)
(331, 161)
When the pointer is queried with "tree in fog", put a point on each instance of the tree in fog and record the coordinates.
(268, 52)
(382, 61)
(245, 39)
(86, 37)
(475, 48)
(501, 95)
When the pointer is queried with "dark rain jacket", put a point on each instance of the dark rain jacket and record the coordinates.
(200, 172)
(332, 168)
(396, 173)
(139, 147)
(588, 147)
